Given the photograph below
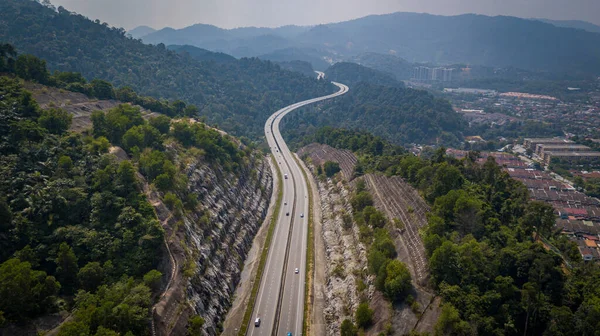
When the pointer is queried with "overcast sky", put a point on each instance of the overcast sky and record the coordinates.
(272, 13)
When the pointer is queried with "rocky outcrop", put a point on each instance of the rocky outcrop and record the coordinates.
(345, 257)
(235, 209)
(210, 244)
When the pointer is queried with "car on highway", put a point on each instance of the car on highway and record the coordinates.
(285, 175)
(296, 270)
(289, 334)
(257, 322)
(284, 203)
(302, 215)
(287, 213)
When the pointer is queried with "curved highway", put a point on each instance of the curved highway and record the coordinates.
(280, 299)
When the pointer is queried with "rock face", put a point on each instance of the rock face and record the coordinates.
(209, 245)
(346, 257)
(220, 236)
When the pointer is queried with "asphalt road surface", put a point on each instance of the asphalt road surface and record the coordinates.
(280, 299)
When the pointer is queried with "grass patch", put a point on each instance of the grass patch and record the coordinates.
(264, 254)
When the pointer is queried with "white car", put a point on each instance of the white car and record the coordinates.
(296, 270)
(302, 215)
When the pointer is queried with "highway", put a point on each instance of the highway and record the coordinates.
(280, 299)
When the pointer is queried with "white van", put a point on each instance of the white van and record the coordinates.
(257, 322)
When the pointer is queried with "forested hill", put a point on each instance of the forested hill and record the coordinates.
(237, 96)
(399, 115)
(352, 73)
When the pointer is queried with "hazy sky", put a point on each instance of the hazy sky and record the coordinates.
(272, 13)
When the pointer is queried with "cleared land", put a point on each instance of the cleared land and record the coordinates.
(319, 154)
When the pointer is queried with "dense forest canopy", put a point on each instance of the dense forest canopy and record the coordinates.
(238, 96)
(77, 232)
(352, 74)
(494, 276)
(399, 115)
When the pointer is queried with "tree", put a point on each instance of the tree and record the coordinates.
(91, 276)
(377, 220)
(56, 121)
(450, 323)
(102, 89)
(538, 216)
(162, 123)
(126, 179)
(446, 178)
(398, 280)
(67, 269)
(24, 292)
(361, 200)
(5, 216)
(153, 280)
(331, 168)
(65, 163)
(32, 68)
(364, 315)
(347, 328)
(74, 328)
(195, 324)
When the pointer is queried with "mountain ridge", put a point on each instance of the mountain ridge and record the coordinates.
(496, 41)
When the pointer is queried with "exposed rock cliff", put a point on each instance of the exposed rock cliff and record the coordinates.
(210, 244)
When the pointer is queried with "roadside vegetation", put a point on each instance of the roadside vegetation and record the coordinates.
(77, 233)
(485, 263)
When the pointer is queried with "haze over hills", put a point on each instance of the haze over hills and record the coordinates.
(238, 95)
(499, 41)
(141, 31)
(576, 24)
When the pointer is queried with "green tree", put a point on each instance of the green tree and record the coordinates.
(101, 89)
(153, 280)
(364, 315)
(25, 292)
(446, 178)
(539, 216)
(195, 324)
(32, 68)
(74, 328)
(102, 331)
(348, 328)
(162, 123)
(56, 121)
(126, 179)
(450, 323)
(5, 216)
(361, 200)
(91, 276)
(398, 280)
(66, 267)
(331, 168)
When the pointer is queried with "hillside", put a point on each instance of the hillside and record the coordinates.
(352, 74)
(302, 67)
(399, 115)
(119, 227)
(202, 54)
(472, 228)
(238, 96)
(395, 65)
(499, 41)
(140, 31)
(576, 24)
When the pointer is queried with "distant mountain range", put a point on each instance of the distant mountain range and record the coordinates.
(573, 24)
(141, 31)
(498, 41)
